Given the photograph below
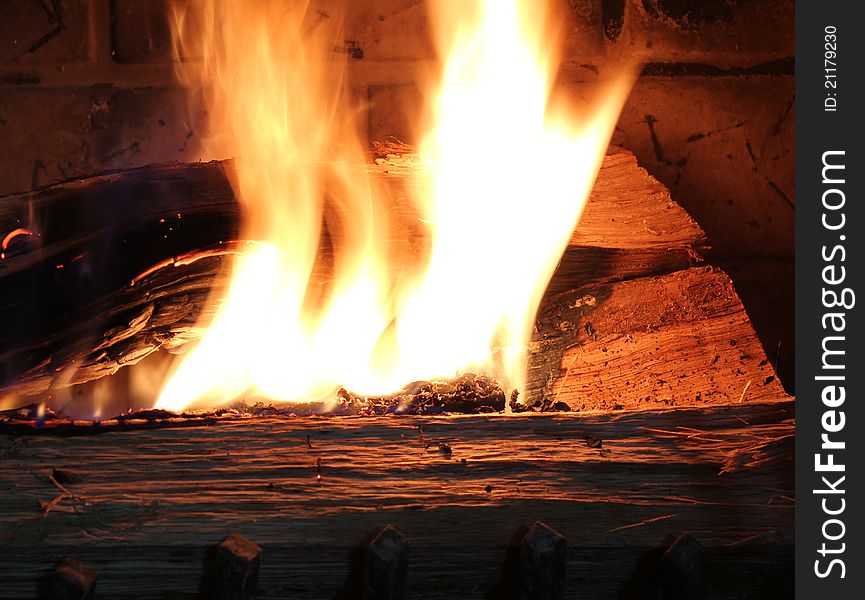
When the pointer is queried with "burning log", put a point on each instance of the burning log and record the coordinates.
(86, 299)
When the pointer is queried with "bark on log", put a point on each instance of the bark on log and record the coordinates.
(69, 314)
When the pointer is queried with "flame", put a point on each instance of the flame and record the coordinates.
(505, 178)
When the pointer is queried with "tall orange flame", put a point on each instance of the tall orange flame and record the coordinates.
(495, 154)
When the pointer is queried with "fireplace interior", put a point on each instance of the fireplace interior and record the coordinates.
(647, 453)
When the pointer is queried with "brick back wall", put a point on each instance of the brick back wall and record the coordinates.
(87, 85)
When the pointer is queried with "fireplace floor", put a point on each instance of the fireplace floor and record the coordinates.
(311, 490)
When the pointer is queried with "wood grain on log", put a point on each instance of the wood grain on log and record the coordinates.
(681, 339)
(618, 485)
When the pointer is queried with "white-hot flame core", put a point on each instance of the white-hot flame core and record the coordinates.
(506, 180)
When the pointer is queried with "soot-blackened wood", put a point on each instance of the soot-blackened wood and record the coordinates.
(70, 314)
(309, 490)
(68, 311)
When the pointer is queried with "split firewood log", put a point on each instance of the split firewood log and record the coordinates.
(109, 269)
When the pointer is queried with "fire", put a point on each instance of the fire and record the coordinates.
(505, 178)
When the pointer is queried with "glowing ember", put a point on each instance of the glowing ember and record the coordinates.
(495, 153)
(188, 259)
(11, 236)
